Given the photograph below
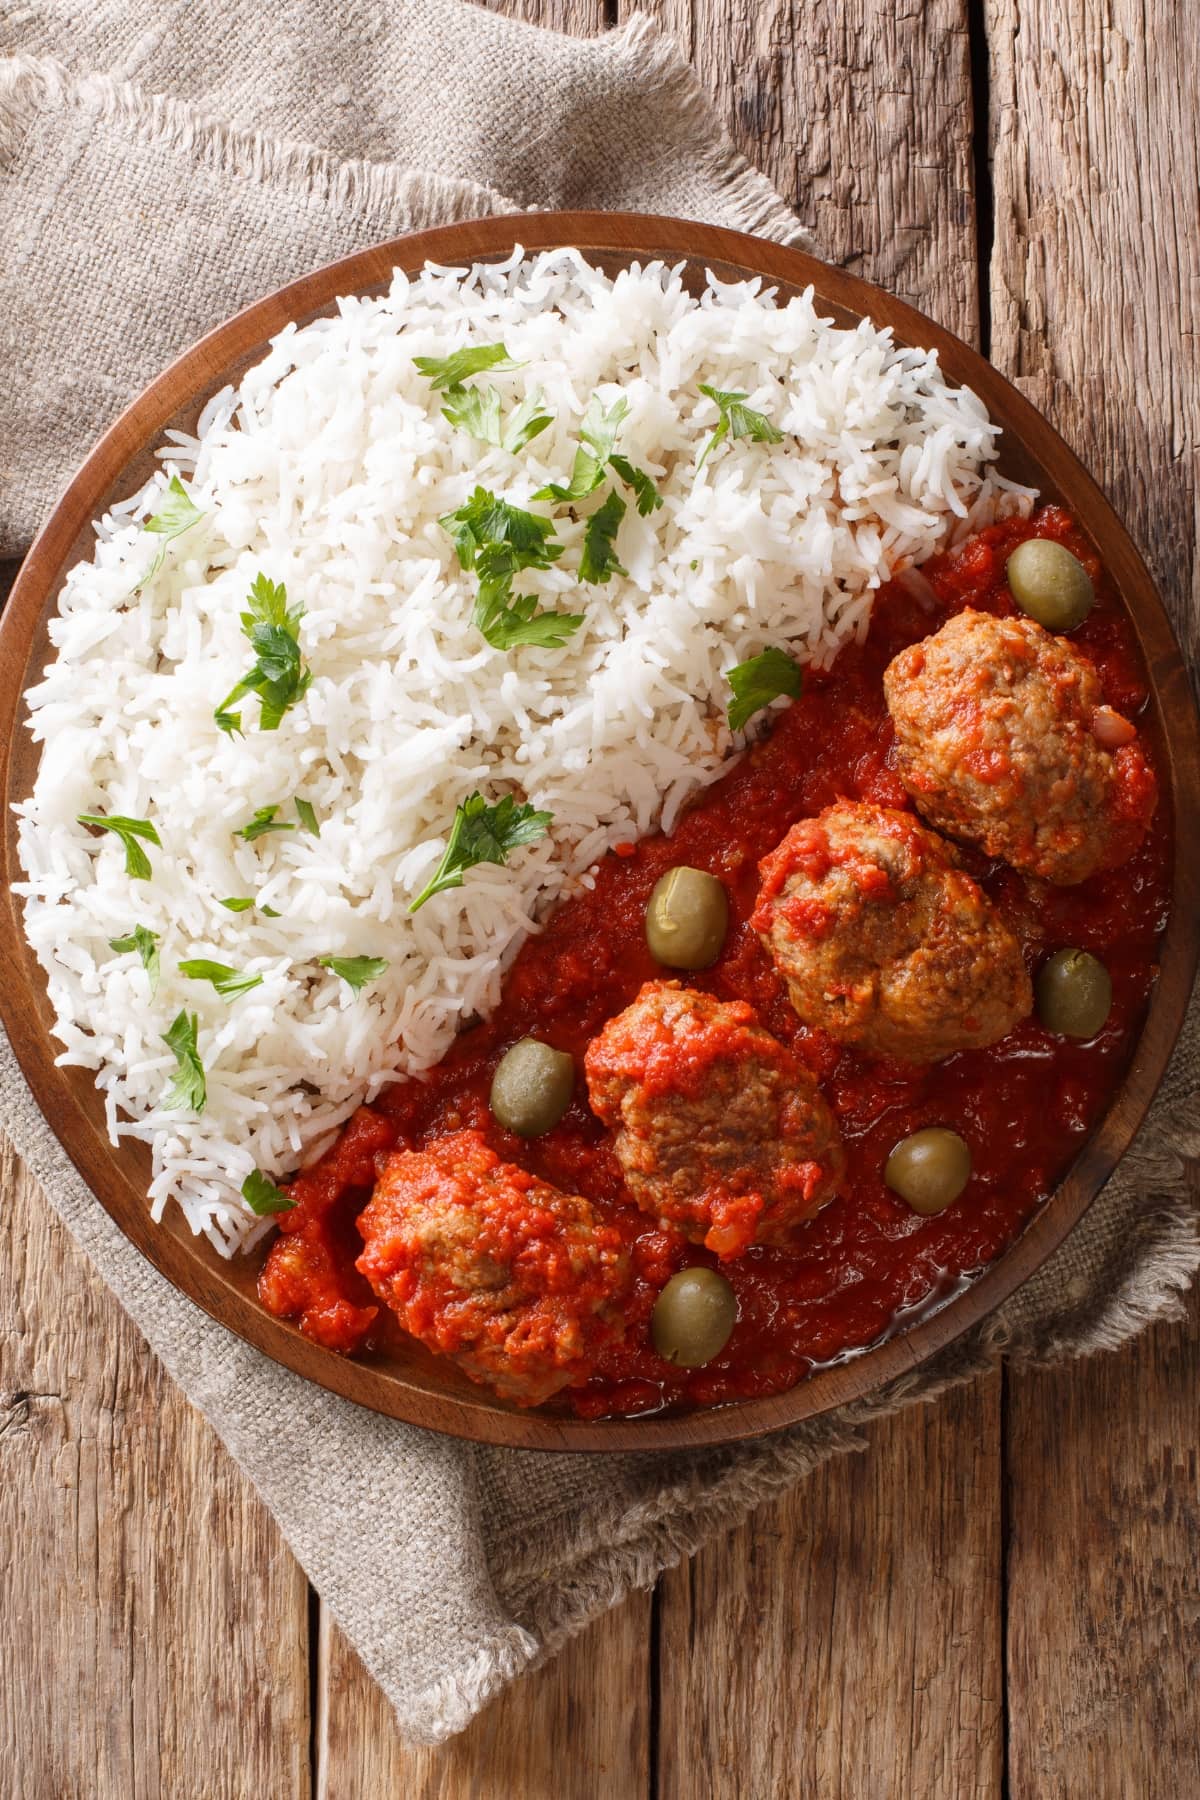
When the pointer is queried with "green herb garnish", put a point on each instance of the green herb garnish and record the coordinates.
(263, 1197)
(759, 681)
(487, 519)
(240, 903)
(145, 942)
(356, 971)
(451, 371)
(228, 982)
(176, 514)
(477, 410)
(483, 834)
(737, 420)
(187, 1086)
(263, 821)
(599, 559)
(597, 443)
(137, 863)
(278, 677)
(306, 813)
(507, 619)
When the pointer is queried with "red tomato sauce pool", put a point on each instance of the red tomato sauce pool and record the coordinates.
(865, 1265)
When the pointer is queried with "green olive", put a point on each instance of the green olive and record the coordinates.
(929, 1170)
(693, 1317)
(686, 919)
(1049, 584)
(532, 1087)
(1074, 994)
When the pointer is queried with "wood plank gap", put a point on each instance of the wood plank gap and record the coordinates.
(612, 13)
(654, 1678)
(1005, 1529)
(981, 144)
(316, 1690)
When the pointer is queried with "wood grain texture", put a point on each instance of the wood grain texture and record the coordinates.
(577, 1729)
(155, 1623)
(861, 115)
(846, 1642)
(1096, 308)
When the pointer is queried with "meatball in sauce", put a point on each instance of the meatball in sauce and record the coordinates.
(1003, 740)
(884, 941)
(520, 1284)
(720, 1130)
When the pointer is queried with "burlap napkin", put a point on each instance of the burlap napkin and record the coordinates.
(157, 174)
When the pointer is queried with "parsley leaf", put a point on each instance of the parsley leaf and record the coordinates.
(486, 519)
(228, 982)
(477, 410)
(737, 421)
(356, 971)
(599, 559)
(187, 1086)
(307, 815)
(483, 834)
(240, 903)
(759, 681)
(646, 494)
(597, 440)
(263, 1197)
(262, 822)
(176, 514)
(145, 942)
(137, 863)
(278, 677)
(451, 371)
(507, 619)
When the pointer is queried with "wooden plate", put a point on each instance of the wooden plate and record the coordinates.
(418, 1387)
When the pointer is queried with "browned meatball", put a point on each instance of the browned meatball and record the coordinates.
(720, 1131)
(521, 1285)
(884, 941)
(1002, 739)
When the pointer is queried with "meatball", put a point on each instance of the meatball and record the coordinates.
(1002, 739)
(884, 941)
(720, 1131)
(521, 1285)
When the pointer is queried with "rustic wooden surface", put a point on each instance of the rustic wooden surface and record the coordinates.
(1000, 1596)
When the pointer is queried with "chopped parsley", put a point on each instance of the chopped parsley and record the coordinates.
(240, 903)
(451, 371)
(264, 820)
(137, 863)
(498, 541)
(145, 942)
(355, 971)
(477, 410)
(737, 420)
(759, 681)
(599, 560)
(187, 1086)
(229, 983)
(278, 677)
(263, 1197)
(176, 514)
(487, 519)
(483, 834)
(597, 443)
(306, 813)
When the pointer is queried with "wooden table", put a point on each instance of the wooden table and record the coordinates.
(1000, 1597)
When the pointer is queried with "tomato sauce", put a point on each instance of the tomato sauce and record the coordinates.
(866, 1265)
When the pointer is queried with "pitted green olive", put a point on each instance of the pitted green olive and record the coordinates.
(929, 1170)
(1049, 584)
(686, 919)
(693, 1317)
(1074, 994)
(532, 1087)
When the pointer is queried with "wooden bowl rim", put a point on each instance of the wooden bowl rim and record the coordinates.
(75, 1113)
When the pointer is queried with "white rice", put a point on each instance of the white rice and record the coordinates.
(328, 470)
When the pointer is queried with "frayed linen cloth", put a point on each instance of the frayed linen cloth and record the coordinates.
(160, 167)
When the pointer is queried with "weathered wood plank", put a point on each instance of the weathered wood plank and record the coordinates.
(861, 116)
(578, 1729)
(155, 1624)
(1096, 309)
(846, 1641)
